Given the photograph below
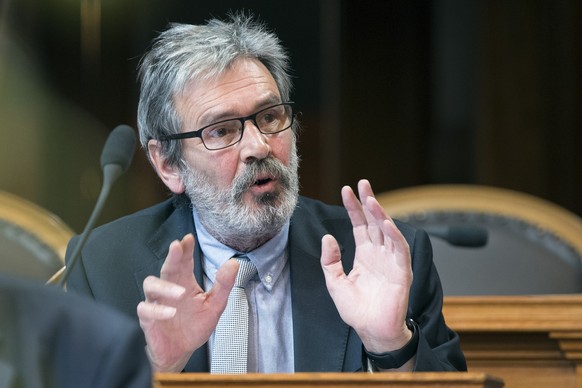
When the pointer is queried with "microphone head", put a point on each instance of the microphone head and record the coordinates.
(468, 236)
(119, 147)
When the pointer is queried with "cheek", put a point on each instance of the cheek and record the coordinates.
(282, 149)
(219, 168)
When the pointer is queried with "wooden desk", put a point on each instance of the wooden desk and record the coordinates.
(329, 380)
(528, 341)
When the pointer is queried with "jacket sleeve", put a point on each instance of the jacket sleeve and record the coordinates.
(438, 347)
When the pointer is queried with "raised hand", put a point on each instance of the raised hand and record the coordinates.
(373, 297)
(177, 316)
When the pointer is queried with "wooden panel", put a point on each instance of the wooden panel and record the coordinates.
(360, 380)
(528, 341)
(535, 313)
(528, 374)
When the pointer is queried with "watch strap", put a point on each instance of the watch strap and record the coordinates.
(397, 358)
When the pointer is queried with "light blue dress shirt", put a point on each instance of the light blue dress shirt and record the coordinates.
(269, 295)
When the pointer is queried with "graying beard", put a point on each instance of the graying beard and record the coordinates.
(234, 224)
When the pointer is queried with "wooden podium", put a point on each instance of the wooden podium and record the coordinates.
(329, 380)
(528, 341)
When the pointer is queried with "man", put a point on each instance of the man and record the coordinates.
(216, 121)
(52, 339)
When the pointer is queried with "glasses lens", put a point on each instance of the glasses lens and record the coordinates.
(226, 133)
(274, 119)
(222, 134)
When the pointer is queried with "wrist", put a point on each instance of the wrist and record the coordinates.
(167, 367)
(396, 358)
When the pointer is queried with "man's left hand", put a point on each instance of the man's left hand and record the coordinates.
(373, 297)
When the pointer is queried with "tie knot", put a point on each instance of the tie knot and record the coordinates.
(246, 271)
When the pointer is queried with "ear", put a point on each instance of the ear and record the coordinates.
(169, 174)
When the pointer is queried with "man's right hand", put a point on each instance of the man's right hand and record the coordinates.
(177, 316)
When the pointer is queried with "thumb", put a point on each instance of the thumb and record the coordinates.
(331, 259)
(225, 278)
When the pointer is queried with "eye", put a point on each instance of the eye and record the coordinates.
(225, 129)
(271, 118)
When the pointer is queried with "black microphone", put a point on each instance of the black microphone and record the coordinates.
(115, 159)
(468, 236)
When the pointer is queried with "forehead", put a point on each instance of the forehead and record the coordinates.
(245, 86)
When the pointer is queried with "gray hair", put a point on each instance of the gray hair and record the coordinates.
(184, 52)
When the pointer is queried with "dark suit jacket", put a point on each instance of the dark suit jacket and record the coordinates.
(120, 255)
(52, 339)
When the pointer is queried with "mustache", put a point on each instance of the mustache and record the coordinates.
(260, 167)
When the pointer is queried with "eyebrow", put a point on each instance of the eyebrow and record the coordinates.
(210, 118)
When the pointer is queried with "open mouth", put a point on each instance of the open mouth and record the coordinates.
(262, 181)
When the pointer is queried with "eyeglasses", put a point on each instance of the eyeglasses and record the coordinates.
(226, 133)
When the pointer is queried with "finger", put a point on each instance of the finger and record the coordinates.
(374, 227)
(356, 214)
(156, 289)
(377, 211)
(379, 214)
(149, 313)
(365, 188)
(394, 241)
(399, 245)
(179, 264)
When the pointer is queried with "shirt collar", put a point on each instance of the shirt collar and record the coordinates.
(270, 258)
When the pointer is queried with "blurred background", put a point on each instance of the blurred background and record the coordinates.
(400, 92)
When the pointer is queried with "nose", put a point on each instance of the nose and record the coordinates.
(254, 144)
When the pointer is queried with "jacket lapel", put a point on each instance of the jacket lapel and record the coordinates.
(177, 225)
(319, 334)
(199, 360)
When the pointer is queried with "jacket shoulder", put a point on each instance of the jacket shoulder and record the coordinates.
(148, 219)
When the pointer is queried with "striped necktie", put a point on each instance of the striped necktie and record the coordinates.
(230, 350)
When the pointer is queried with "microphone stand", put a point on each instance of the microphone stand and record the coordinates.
(110, 173)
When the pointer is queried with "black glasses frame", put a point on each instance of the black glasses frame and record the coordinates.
(252, 117)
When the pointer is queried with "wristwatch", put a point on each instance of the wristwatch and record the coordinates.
(397, 358)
